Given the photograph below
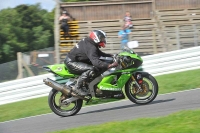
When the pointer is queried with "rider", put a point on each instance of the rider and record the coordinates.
(84, 59)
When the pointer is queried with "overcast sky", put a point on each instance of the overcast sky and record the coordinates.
(45, 4)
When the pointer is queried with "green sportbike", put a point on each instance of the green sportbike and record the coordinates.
(140, 87)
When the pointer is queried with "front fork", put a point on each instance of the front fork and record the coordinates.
(133, 78)
(139, 87)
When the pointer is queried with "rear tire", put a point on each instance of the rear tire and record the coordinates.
(149, 93)
(63, 110)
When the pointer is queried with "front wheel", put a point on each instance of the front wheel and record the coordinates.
(57, 105)
(149, 91)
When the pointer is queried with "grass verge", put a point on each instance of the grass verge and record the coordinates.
(180, 122)
(167, 83)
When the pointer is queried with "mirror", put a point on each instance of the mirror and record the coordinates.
(133, 44)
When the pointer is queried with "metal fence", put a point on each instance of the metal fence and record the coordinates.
(34, 60)
(38, 58)
(8, 71)
(157, 64)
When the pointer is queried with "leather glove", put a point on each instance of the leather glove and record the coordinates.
(114, 64)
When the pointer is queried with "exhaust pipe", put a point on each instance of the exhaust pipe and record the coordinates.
(59, 87)
(62, 88)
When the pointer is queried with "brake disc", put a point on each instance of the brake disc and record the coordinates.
(145, 89)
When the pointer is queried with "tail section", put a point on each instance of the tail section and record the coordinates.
(60, 70)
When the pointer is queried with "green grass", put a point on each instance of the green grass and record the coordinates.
(181, 122)
(167, 83)
(178, 81)
(24, 109)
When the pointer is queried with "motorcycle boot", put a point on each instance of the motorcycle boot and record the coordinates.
(80, 88)
(80, 91)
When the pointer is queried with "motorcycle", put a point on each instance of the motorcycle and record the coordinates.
(140, 87)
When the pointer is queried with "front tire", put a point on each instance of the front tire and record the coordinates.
(55, 103)
(149, 90)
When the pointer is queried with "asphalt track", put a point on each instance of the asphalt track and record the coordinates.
(116, 111)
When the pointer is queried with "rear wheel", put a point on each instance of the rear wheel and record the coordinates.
(149, 90)
(57, 105)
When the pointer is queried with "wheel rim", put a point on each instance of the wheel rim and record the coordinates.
(146, 95)
(61, 107)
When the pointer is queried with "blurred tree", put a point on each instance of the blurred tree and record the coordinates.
(24, 28)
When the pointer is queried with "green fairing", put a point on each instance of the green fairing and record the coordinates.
(135, 56)
(105, 83)
(61, 70)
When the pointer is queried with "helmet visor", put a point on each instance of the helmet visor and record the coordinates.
(103, 39)
(102, 42)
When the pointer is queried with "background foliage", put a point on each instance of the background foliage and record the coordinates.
(24, 28)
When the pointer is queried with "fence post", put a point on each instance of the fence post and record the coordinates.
(20, 67)
(111, 40)
(57, 31)
(177, 37)
(154, 42)
(153, 8)
(27, 68)
(195, 35)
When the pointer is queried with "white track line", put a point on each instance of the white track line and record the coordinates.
(94, 106)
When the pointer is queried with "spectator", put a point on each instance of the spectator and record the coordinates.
(124, 35)
(64, 18)
(127, 20)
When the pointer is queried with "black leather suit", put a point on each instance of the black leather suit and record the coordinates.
(84, 59)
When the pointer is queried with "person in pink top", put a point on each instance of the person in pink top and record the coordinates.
(127, 20)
